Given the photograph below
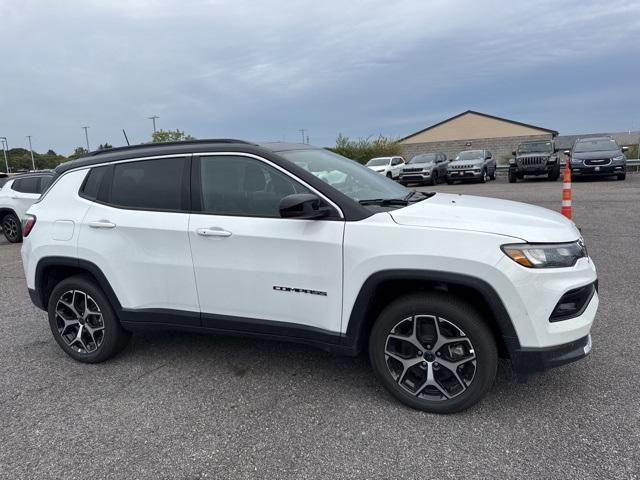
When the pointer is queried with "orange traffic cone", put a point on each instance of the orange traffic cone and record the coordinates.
(566, 191)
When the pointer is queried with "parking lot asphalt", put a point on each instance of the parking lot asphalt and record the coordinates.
(195, 406)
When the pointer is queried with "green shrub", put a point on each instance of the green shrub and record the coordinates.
(364, 149)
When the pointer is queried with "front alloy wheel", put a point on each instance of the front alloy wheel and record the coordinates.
(430, 357)
(433, 352)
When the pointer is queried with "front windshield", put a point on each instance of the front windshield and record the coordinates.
(535, 147)
(470, 155)
(377, 162)
(599, 145)
(424, 158)
(347, 176)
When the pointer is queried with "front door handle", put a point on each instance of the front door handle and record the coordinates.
(102, 224)
(213, 232)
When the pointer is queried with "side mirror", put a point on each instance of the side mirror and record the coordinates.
(303, 205)
(625, 149)
(567, 152)
(514, 153)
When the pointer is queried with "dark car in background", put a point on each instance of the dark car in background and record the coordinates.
(477, 165)
(425, 168)
(598, 156)
(534, 158)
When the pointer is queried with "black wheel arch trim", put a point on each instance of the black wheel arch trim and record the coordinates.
(91, 268)
(358, 320)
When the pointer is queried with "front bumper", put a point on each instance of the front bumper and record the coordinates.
(453, 175)
(533, 170)
(415, 176)
(530, 360)
(595, 170)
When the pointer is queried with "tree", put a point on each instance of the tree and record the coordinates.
(364, 149)
(78, 152)
(105, 146)
(170, 136)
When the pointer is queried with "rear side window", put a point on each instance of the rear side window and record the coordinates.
(150, 184)
(27, 185)
(92, 182)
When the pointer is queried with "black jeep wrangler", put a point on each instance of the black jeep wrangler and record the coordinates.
(534, 158)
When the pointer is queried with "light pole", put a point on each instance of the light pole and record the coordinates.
(33, 162)
(302, 130)
(153, 119)
(5, 147)
(86, 137)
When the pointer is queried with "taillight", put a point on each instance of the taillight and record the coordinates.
(27, 225)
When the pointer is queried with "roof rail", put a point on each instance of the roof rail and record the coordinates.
(163, 144)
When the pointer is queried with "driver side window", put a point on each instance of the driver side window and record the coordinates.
(241, 186)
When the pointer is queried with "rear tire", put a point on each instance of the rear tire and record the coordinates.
(12, 228)
(83, 322)
(426, 359)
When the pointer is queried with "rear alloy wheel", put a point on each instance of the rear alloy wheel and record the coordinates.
(433, 352)
(83, 322)
(11, 228)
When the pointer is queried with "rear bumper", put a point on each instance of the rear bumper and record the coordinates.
(530, 360)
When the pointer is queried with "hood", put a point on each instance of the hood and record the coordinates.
(594, 155)
(534, 154)
(489, 215)
(418, 165)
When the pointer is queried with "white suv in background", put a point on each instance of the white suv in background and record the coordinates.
(293, 242)
(16, 196)
(387, 166)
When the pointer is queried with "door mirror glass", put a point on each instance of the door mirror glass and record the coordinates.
(303, 205)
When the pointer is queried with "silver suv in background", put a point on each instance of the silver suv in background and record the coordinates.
(425, 168)
(477, 165)
(598, 156)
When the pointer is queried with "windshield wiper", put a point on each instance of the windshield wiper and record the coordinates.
(384, 201)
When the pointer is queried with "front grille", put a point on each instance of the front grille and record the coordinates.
(598, 161)
(532, 161)
(408, 170)
(461, 167)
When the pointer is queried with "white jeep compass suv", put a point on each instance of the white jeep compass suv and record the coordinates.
(293, 242)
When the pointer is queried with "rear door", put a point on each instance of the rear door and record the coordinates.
(135, 231)
(254, 269)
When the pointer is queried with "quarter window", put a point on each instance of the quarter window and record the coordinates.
(149, 184)
(27, 185)
(241, 186)
(93, 181)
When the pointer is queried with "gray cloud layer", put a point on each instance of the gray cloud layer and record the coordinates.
(263, 69)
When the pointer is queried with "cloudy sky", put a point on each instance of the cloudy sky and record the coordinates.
(262, 70)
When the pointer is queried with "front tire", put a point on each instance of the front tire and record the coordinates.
(83, 322)
(433, 352)
(389, 175)
(12, 228)
(621, 176)
(513, 178)
(485, 177)
(554, 174)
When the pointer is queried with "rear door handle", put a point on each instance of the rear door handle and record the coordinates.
(213, 232)
(102, 224)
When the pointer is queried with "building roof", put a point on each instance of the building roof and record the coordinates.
(492, 117)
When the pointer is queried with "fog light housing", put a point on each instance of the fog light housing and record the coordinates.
(573, 303)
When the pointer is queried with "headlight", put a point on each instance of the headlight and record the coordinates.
(576, 160)
(512, 161)
(618, 158)
(550, 255)
(553, 159)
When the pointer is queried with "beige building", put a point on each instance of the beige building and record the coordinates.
(474, 130)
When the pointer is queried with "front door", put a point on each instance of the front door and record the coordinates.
(252, 267)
